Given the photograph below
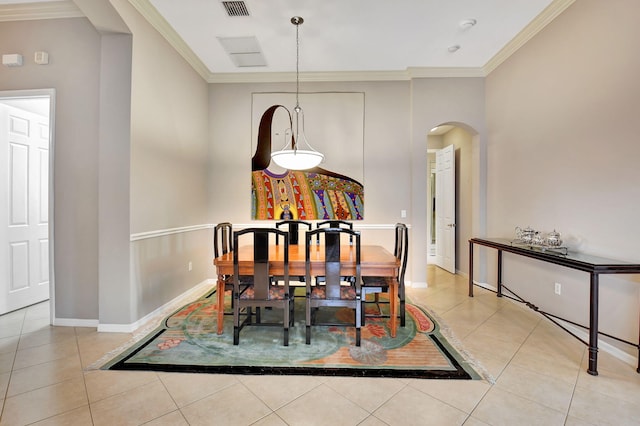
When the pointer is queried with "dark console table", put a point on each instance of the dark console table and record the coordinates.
(593, 265)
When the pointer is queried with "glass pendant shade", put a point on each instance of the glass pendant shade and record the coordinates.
(297, 159)
(294, 158)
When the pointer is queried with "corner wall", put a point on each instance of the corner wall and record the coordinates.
(563, 154)
(74, 72)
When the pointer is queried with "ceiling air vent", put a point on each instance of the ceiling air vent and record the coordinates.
(235, 8)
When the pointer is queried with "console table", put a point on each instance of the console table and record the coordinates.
(593, 265)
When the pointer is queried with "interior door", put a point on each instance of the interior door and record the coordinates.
(446, 209)
(24, 216)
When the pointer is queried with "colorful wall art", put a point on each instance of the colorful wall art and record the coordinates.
(313, 194)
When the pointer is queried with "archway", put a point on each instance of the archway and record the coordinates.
(466, 141)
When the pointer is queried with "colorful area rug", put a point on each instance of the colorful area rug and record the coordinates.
(187, 342)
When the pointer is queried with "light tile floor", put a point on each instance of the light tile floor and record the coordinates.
(539, 372)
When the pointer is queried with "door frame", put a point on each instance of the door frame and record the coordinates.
(51, 94)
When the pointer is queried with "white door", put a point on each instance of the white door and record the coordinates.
(446, 209)
(24, 216)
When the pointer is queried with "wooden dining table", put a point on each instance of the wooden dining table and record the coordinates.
(375, 260)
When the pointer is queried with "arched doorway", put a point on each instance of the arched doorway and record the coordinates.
(464, 140)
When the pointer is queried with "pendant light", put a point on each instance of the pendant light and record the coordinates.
(296, 158)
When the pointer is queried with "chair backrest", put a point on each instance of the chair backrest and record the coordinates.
(401, 249)
(222, 239)
(260, 239)
(294, 227)
(334, 223)
(332, 256)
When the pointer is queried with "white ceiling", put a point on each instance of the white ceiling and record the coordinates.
(353, 35)
(348, 36)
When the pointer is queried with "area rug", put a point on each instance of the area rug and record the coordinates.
(187, 341)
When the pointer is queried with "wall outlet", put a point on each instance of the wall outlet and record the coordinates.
(403, 213)
(190, 266)
(558, 288)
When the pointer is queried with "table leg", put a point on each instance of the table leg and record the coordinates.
(593, 327)
(470, 269)
(393, 308)
(499, 273)
(220, 294)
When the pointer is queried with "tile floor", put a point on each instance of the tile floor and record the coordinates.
(539, 374)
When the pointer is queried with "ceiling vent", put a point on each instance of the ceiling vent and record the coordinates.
(235, 8)
(243, 51)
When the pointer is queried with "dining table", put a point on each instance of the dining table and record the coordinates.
(375, 260)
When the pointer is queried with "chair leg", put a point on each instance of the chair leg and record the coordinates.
(359, 314)
(402, 313)
(236, 335)
(308, 319)
(286, 320)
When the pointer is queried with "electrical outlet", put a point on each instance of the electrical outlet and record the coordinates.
(403, 213)
(558, 289)
(190, 266)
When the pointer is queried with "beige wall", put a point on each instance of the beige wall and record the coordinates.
(131, 156)
(398, 116)
(73, 71)
(563, 154)
(436, 101)
(168, 169)
(386, 149)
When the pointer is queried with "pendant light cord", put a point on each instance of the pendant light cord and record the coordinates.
(297, 66)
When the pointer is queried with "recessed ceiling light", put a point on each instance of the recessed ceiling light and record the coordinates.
(454, 48)
(467, 23)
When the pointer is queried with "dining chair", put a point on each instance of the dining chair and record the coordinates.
(335, 223)
(262, 291)
(332, 293)
(294, 229)
(377, 285)
(223, 244)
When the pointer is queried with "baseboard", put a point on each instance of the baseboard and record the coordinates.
(164, 309)
(75, 322)
(416, 284)
(581, 333)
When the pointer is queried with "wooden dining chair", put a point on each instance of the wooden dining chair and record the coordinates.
(262, 291)
(332, 293)
(293, 226)
(223, 244)
(222, 238)
(335, 223)
(377, 285)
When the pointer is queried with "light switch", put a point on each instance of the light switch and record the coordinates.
(12, 60)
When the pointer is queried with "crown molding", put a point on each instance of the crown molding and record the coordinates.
(42, 10)
(542, 20)
(343, 76)
(151, 14)
(435, 72)
(283, 77)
